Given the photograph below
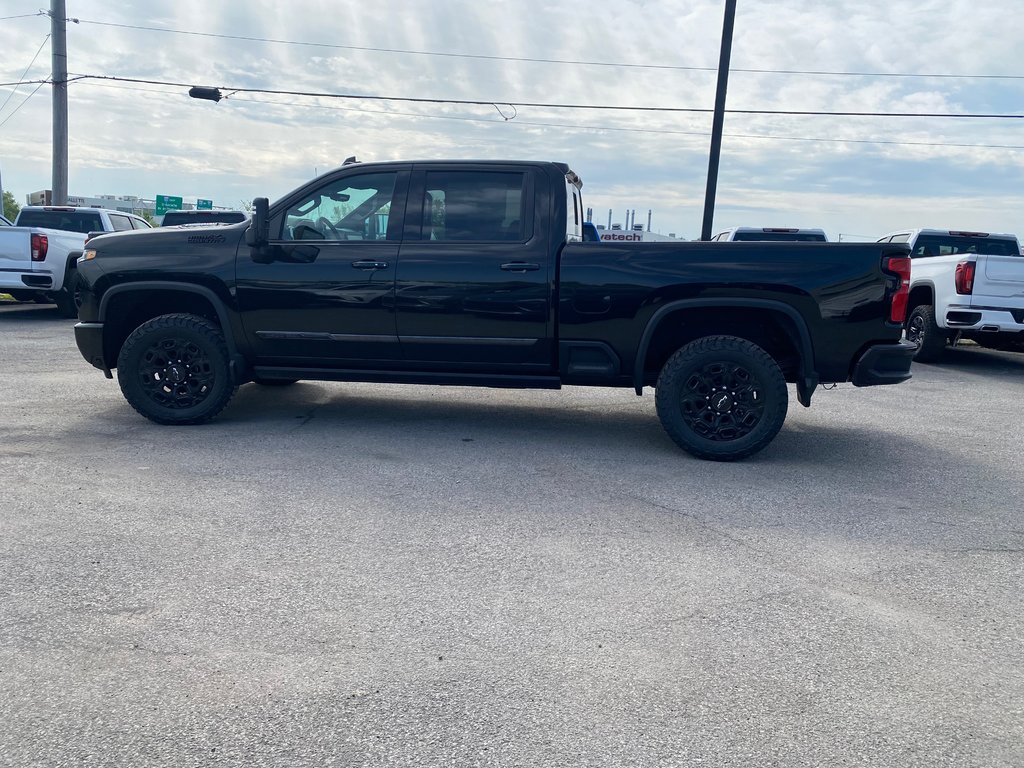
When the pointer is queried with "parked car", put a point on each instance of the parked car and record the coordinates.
(479, 276)
(175, 218)
(792, 234)
(38, 254)
(963, 285)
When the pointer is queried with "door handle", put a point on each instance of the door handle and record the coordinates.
(369, 264)
(520, 266)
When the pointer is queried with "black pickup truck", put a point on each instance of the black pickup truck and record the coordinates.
(475, 273)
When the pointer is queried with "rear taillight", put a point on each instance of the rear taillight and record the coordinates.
(39, 247)
(900, 266)
(964, 277)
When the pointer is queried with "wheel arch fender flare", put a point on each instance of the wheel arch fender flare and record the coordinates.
(236, 364)
(925, 284)
(808, 379)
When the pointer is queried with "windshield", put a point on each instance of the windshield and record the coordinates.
(948, 245)
(70, 221)
(201, 217)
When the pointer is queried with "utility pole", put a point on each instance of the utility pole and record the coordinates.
(719, 120)
(59, 47)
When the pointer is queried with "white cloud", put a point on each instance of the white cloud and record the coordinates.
(141, 142)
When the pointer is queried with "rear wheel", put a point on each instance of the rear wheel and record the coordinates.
(722, 398)
(925, 332)
(173, 369)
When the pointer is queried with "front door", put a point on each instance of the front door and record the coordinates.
(324, 297)
(473, 287)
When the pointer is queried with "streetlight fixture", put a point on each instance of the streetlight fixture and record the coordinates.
(203, 92)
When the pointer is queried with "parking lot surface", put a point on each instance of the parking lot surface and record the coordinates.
(355, 574)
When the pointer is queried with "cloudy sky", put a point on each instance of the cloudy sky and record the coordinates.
(853, 176)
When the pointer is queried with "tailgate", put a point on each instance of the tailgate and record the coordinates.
(999, 280)
(15, 247)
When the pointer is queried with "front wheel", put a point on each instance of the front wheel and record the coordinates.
(173, 369)
(721, 398)
(69, 297)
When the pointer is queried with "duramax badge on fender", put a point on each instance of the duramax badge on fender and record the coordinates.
(475, 273)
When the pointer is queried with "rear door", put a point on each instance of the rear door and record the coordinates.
(474, 282)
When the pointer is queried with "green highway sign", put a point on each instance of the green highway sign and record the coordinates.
(204, 205)
(165, 203)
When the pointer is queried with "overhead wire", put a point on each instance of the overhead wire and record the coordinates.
(576, 126)
(577, 62)
(22, 82)
(22, 104)
(550, 105)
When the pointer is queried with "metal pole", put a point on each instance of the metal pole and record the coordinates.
(719, 120)
(59, 45)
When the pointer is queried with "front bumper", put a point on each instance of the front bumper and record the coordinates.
(89, 338)
(884, 364)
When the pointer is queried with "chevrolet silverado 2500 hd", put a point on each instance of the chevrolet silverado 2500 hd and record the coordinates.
(475, 273)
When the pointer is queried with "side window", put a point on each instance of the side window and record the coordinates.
(349, 208)
(140, 223)
(468, 206)
(900, 238)
(120, 223)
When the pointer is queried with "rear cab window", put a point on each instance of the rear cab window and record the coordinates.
(475, 206)
(952, 244)
(69, 221)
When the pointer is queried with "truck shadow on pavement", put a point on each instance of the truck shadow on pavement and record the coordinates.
(18, 312)
(971, 358)
(628, 425)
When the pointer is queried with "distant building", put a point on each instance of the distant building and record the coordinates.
(124, 203)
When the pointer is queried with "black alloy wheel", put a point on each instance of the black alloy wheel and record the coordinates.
(173, 369)
(722, 398)
(921, 329)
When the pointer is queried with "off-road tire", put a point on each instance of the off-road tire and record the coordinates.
(721, 398)
(173, 369)
(922, 329)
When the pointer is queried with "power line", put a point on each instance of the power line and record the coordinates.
(21, 105)
(577, 62)
(9, 95)
(543, 105)
(576, 126)
(23, 16)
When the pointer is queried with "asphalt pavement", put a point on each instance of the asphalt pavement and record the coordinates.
(382, 575)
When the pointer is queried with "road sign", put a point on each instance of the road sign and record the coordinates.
(165, 203)
(204, 205)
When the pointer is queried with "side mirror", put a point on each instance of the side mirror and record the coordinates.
(258, 233)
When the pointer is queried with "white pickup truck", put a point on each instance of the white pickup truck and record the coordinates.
(38, 253)
(963, 285)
